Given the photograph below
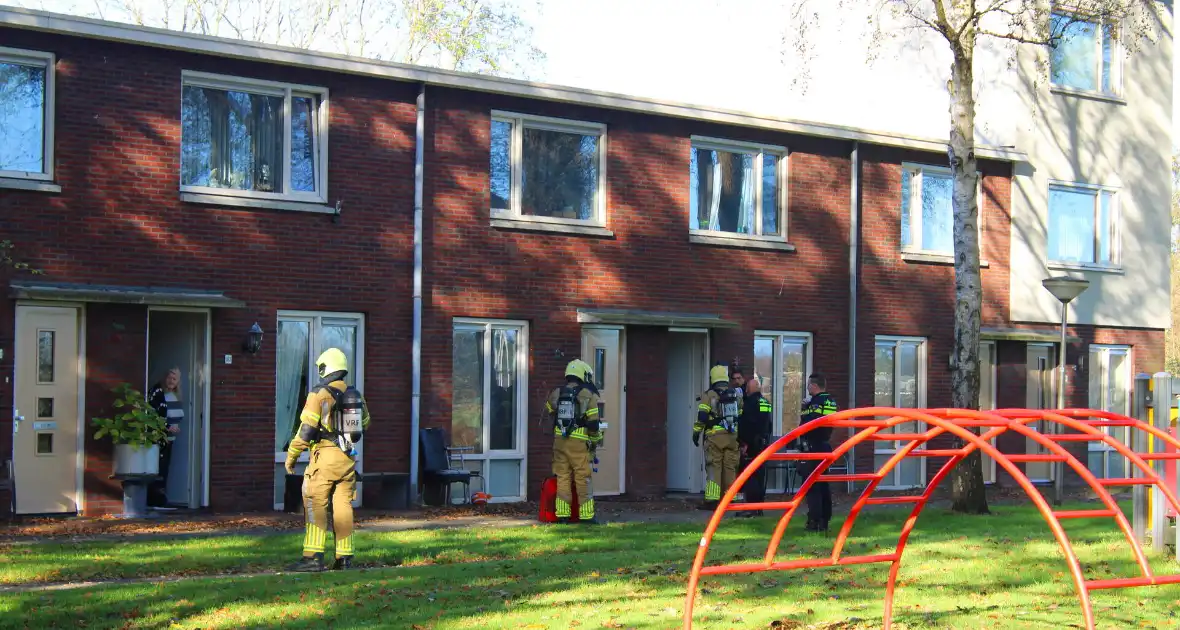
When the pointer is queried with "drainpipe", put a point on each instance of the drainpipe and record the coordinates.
(416, 352)
(853, 283)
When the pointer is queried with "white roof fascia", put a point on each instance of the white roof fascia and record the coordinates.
(69, 25)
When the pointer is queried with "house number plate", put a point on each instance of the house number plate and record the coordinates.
(44, 426)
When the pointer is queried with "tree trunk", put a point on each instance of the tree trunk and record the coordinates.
(967, 487)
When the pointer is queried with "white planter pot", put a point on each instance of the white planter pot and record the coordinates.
(130, 460)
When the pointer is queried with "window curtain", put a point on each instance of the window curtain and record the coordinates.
(292, 380)
(221, 162)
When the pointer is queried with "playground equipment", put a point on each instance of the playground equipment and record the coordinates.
(876, 423)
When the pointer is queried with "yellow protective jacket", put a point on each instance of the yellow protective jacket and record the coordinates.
(587, 405)
(709, 406)
(315, 422)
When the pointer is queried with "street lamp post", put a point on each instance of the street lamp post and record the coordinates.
(1066, 290)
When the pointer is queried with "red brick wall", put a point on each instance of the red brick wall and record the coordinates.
(119, 220)
(904, 298)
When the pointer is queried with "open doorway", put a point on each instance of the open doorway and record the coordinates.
(688, 376)
(180, 339)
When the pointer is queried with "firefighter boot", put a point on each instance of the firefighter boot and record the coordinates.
(343, 563)
(309, 564)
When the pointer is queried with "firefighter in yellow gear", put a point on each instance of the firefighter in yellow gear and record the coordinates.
(718, 409)
(576, 412)
(333, 420)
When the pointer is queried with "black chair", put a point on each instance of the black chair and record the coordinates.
(436, 466)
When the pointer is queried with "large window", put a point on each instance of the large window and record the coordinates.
(782, 362)
(1110, 388)
(251, 138)
(899, 380)
(927, 211)
(737, 188)
(547, 170)
(301, 337)
(1083, 224)
(1086, 57)
(489, 384)
(26, 114)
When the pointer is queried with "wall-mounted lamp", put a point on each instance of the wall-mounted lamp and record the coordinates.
(253, 342)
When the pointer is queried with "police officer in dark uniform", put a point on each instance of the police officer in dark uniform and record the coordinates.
(818, 404)
(754, 427)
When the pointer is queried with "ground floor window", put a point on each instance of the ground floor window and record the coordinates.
(1110, 388)
(301, 337)
(782, 362)
(899, 380)
(489, 381)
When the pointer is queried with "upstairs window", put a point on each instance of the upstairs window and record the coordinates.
(1085, 58)
(547, 170)
(250, 138)
(1083, 224)
(26, 114)
(737, 188)
(927, 209)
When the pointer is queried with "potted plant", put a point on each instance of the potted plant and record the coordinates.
(137, 431)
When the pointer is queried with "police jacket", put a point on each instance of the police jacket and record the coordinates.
(819, 406)
(756, 422)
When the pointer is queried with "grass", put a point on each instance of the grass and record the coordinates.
(998, 571)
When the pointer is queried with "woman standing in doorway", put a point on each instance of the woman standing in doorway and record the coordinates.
(164, 397)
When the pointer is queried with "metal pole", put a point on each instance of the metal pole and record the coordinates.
(1139, 445)
(1059, 467)
(1162, 409)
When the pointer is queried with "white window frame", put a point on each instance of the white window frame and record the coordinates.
(777, 481)
(315, 320)
(889, 448)
(916, 170)
(522, 361)
(759, 149)
(990, 347)
(521, 121)
(1116, 57)
(1099, 359)
(1116, 232)
(48, 62)
(190, 78)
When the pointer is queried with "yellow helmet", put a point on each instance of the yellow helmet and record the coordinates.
(718, 374)
(580, 369)
(332, 360)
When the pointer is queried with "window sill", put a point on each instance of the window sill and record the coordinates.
(935, 259)
(37, 185)
(1090, 94)
(246, 202)
(552, 228)
(1069, 266)
(740, 242)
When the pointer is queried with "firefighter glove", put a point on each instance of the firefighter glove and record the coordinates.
(696, 438)
(291, 464)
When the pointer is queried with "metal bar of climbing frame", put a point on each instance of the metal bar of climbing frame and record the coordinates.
(811, 563)
(1095, 585)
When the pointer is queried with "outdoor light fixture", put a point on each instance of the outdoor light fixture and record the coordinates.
(1066, 290)
(253, 341)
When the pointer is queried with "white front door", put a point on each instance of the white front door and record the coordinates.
(45, 435)
(688, 376)
(602, 348)
(1041, 393)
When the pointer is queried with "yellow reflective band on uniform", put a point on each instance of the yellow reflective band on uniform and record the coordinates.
(577, 434)
(704, 407)
(764, 405)
(712, 491)
(344, 546)
(548, 407)
(310, 417)
(314, 539)
(593, 411)
(586, 510)
(563, 509)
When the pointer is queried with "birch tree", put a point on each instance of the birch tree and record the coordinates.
(961, 24)
(487, 36)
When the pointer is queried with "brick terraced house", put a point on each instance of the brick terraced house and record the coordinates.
(462, 237)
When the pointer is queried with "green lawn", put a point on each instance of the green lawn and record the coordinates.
(998, 571)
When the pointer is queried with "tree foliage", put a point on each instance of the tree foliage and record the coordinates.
(487, 36)
(960, 24)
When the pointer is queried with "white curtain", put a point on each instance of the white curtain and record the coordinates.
(291, 349)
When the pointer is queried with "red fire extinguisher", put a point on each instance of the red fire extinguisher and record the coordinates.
(548, 511)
